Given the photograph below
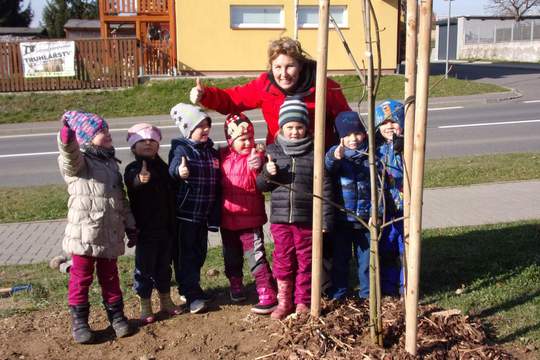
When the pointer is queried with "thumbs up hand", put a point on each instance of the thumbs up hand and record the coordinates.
(340, 150)
(196, 93)
(271, 167)
(144, 175)
(183, 170)
(254, 160)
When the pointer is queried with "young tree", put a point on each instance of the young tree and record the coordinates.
(515, 8)
(12, 15)
(58, 12)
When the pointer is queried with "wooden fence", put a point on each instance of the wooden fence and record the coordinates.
(99, 63)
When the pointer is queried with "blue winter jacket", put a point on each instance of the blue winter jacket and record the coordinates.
(352, 188)
(392, 163)
(197, 198)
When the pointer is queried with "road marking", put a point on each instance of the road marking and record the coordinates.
(531, 101)
(446, 108)
(489, 124)
(111, 130)
(116, 148)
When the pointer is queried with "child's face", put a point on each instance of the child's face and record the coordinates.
(243, 144)
(103, 139)
(201, 132)
(146, 148)
(294, 130)
(354, 140)
(389, 128)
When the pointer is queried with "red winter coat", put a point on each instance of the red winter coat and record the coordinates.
(243, 204)
(265, 94)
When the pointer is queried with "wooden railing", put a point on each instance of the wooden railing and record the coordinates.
(136, 7)
(99, 63)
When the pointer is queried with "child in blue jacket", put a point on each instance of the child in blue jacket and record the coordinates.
(194, 165)
(348, 165)
(389, 121)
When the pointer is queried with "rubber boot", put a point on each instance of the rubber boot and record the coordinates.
(237, 292)
(147, 316)
(267, 301)
(79, 324)
(119, 323)
(302, 309)
(285, 301)
(167, 305)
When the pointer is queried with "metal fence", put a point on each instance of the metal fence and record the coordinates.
(490, 31)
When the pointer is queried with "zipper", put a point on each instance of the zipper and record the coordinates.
(291, 191)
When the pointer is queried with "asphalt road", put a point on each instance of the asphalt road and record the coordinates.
(457, 130)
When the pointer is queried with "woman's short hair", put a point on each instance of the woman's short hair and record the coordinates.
(287, 46)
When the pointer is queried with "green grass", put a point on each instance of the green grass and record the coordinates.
(157, 97)
(497, 266)
(49, 202)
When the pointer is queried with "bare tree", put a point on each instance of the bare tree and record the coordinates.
(515, 8)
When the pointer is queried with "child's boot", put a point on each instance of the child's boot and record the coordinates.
(267, 301)
(167, 305)
(302, 309)
(147, 316)
(115, 313)
(285, 303)
(237, 292)
(79, 324)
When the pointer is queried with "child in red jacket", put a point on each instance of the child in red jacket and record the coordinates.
(243, 214)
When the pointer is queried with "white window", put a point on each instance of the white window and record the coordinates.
(261, 17)
(308, 16)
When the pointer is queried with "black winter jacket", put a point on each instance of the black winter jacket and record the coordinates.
(152, 204)
(296, 205)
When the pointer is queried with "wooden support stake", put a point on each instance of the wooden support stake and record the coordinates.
(410, 93)
(318, 168)
(419, 149)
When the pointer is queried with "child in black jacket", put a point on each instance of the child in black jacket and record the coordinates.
(151, 195)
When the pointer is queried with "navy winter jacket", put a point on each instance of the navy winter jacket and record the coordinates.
(350, 177)
(197, 198)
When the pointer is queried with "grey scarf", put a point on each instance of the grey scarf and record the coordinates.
(99, 152)
(295, 147)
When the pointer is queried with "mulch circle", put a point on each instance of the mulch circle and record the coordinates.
(342, 332)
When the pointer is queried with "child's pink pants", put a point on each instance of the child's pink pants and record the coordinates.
(81, 276)
(292, 258)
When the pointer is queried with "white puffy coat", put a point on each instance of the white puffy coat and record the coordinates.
(98, 211)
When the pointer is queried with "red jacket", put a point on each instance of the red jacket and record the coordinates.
(242, 204)
(264, 94)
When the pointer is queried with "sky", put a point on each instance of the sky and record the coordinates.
(440, 7)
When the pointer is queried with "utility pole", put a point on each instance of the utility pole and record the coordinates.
(448, 36)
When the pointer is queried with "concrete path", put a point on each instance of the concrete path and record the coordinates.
(23, 243)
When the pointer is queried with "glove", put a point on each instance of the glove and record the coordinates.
(133, 236)
(66, 134)
(398, 142)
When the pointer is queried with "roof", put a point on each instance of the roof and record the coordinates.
(20, 31)
(82, 24)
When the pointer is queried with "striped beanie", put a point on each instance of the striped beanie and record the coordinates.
(85, 125)
(293, 109)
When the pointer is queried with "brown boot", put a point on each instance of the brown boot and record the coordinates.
(285, 301)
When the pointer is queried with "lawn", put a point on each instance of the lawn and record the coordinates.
(497, 268)
(49, 202)
(157, 97)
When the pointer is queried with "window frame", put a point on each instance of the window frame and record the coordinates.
(263, 26)
(345, 24)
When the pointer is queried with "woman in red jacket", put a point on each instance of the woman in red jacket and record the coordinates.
(291, 73)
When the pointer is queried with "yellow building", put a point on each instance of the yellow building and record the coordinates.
(219, 36)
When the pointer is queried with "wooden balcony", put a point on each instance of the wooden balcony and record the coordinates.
(135, 7)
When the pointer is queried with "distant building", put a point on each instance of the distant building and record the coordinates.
(82, 29)
(489, 38)
(20, 33)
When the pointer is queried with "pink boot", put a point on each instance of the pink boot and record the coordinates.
(302, 309)
(285, 303)
(267, 301)
(237, 292)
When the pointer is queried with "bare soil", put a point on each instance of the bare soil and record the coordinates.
(232, 332)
